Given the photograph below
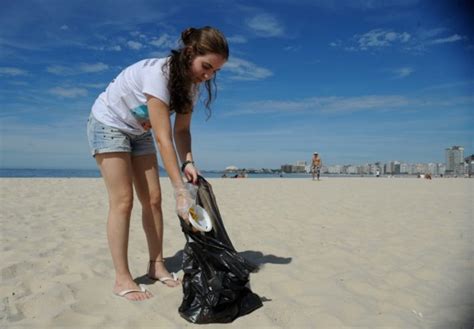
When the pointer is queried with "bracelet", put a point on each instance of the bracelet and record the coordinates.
(185, 163)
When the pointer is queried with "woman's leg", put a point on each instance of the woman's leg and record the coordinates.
(116, 169)
(147, 186)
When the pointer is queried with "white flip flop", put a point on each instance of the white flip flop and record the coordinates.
(123, 293)
(174, 277)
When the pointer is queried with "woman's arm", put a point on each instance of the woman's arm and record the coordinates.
(182, 136)
(161, 125)
(182, 139)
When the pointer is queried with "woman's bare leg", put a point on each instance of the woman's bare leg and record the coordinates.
(147, 186)
(116, 169)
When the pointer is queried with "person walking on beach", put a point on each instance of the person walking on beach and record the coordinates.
(143, 97)
(316, 165)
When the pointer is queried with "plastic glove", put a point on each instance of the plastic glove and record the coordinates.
(191, 173)
(183, 203)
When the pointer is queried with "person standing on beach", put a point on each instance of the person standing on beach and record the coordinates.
(316, 165)
(143, 97)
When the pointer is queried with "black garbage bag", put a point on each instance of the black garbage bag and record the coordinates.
(216, 285)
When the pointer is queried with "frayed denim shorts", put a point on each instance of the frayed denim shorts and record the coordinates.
(106, 139)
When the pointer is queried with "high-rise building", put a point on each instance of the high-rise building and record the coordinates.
(433, 168)
(405, 168)
(441, 168)
(455, 160)
(393, 168)
(470, 165)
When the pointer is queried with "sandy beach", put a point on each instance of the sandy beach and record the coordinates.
(338, 253)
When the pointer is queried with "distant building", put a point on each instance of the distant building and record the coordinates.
(351, 170)
(455, 160)
(393, 168)
(441, 168)
(406, 168)
(294, 168)
(336, 169)
(433, 168)
(378, 168)
(420, 168)
(365, 169)
(455, 164)
(470, 165)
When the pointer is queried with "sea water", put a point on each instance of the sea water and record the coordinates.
(91, 173)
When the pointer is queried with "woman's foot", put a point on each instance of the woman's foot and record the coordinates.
(158, 271)
(130, 290)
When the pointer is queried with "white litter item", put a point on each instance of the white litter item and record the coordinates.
(199, 218)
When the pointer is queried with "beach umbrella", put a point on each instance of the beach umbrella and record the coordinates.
(231, 168)
(216, 287)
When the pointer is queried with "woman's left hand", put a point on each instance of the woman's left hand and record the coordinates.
(191, 173)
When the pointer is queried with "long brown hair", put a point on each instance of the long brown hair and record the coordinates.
(194, 42)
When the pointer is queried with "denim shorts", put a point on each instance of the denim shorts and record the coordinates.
(106, 139)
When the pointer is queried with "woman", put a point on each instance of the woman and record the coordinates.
(142, 98)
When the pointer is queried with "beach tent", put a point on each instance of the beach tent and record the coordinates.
(216, 285)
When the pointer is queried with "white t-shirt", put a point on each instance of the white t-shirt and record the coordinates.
(123, 104)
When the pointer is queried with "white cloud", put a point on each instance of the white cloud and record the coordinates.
(381, 38)
(237, 39)
(60, 70)
(164, 41)
(134, 45)
(332, 104)
(341, 104)
(12, 71)
(292, 48)
(73, 92)
(96, 67)
(362, 103)
(95, 85)
(114, 48)
(402, 72)
(77, 69)
(431, 33)
(453, 38)
(245, 70)
(265, 25)
(377, 39)
(158, 54)
(107, 48)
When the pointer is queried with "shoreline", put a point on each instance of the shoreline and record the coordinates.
(92, 173)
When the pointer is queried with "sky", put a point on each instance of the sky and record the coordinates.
(357, 81)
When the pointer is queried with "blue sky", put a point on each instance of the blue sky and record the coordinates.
(358, 81)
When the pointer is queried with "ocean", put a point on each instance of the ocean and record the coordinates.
(59, 173)
(92, 173)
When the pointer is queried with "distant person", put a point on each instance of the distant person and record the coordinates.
(316, 165)
(144, 97)
(377, 173)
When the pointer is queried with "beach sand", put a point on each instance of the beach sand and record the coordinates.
(338, 253)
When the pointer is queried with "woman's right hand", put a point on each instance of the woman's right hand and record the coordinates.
(183, 203)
